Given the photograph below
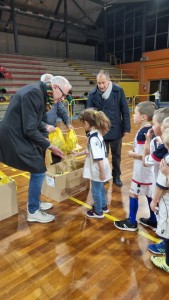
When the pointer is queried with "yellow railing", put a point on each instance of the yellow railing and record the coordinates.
(136, 99)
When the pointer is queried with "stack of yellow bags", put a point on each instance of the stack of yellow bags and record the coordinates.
(4, 179)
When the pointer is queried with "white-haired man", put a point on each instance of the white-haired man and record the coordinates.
(22, 144)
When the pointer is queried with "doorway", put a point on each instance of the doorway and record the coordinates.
(163, 87)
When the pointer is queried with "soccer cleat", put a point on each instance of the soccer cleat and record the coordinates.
(148, 223)
(160, 262)
(92, 214)
(45, 205)
(157, 248)
(105, 209)
(126, 225)
(40, 216)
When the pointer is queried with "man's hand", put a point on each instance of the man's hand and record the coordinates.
(70, 127)
(125, 133)
(50, 128)
(56, 151)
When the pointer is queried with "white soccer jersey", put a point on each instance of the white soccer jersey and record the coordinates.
(96, 150)
(141, 175)
(163, 217)
(157, 152)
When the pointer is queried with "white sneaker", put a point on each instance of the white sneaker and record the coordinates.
(40, 216)
(45, 205)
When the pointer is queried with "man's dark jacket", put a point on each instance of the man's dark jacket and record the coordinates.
(115, 108)
(21, 142)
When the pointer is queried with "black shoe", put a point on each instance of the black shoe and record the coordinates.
(105, 209)
(92, 214)
(117, 181)
(148, 223)
(126, 225)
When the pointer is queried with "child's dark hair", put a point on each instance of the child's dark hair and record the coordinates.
(95, 118)
(147, 108)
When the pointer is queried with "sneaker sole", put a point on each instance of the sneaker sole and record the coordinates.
(95, 217)
(158, 253)
(126, 229)
(148, 226)
(46, 208)
(105, 211)
(33, 220)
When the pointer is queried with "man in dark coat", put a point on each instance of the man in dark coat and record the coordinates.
(110, 99)
(22, 144)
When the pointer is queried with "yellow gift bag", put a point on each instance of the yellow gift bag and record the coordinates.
(57, 139)
(71, 140)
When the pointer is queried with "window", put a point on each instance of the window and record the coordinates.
(149, 44)
(128, 56)
(138, 24)
(129, 43)
(161, 41)
(137, 41)
(128, 27)
(119, 30)
(162, 25)
(137, 54)
(150, 27)
(119, 45)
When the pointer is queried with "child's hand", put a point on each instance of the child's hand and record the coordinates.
(159, 141)
(164, 167)
(78, 153)
(102, 176)
(74, 153)
(149, 135)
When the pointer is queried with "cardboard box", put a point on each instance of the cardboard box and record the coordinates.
(8, 202)
(63, 180)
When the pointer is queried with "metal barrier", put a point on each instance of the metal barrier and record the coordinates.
(70, 105)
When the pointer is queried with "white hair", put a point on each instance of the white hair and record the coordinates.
(61, 81)
(46, 77)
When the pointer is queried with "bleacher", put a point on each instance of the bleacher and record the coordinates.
(28, 69)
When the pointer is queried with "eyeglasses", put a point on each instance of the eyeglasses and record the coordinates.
(63, 94)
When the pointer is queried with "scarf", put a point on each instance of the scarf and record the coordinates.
(107, 93)
(49, 96)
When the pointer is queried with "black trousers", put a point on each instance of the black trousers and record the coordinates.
(115, 146)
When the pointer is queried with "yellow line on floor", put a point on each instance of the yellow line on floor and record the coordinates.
(148, 236)
(128, 144)
(21, 174)
(140, 232)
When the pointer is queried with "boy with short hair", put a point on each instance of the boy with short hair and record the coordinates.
(142, 177)
(154, 151)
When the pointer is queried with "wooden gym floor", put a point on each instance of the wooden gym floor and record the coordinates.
(76, 258)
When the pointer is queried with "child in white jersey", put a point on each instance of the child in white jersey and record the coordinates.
(154, 151)
(96, 166)
(142, 177)
(161, 198)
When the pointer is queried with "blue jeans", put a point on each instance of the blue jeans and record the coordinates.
(34, 191)
(99, 196)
